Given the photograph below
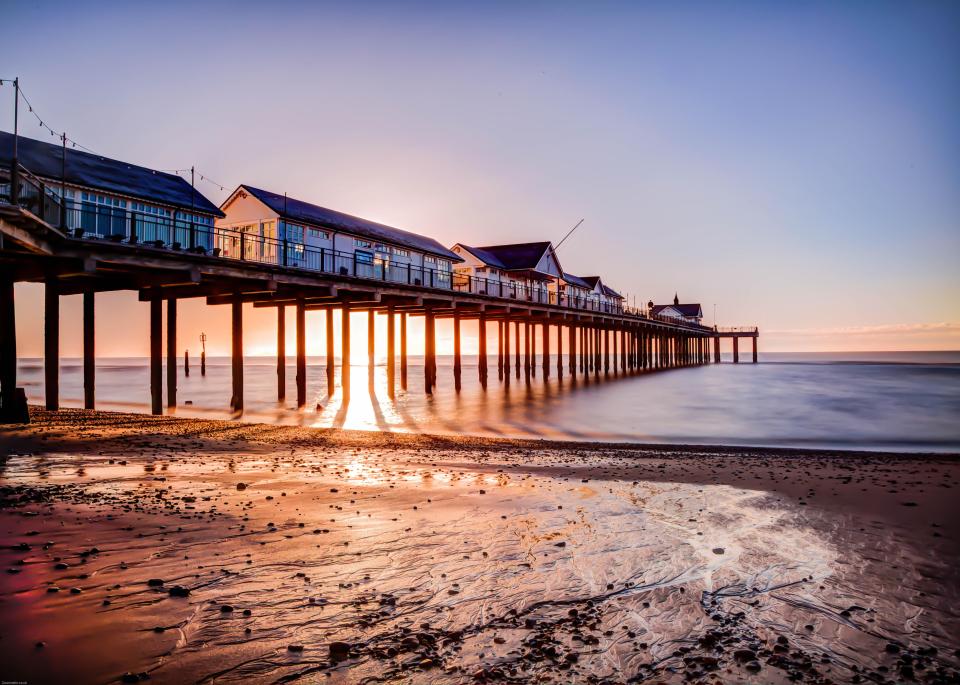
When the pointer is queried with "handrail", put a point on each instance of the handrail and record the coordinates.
(88, 220)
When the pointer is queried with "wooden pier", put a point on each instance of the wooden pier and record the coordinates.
(35, 248)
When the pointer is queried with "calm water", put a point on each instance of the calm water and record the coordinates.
(899, 401)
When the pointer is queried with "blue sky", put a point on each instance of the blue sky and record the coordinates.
(798, 164)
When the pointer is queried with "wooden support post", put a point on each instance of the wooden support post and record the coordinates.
(403, 350)
(331, 352)
(526, 348)
(559, 350)
(606, 350)
(156, 363)
(51, 344)
(506, 351)
(572, 351)
(236, 353)
(89, 352)
(428, 349)
(532, 330)
(281, 353)
(516, 330)
(482, 361)
(391, 352)
(736, 350)
(302, 354)
(13, 406)
(716, 349)
(171, 352)
(546, 350)
(371, 341)
(457, 366)
(345, 351)
(754, 349)
(500, 350)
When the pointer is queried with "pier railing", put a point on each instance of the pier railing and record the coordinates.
(169, 230)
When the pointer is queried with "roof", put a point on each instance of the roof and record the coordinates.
(592, 282)
(610, 292)
(690, 310)
(516, 257)
(298, 210)
(577, 281)
(107, 175)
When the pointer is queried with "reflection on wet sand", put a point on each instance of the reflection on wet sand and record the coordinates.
(274, 563)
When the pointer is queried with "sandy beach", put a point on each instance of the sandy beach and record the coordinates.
(185, 550)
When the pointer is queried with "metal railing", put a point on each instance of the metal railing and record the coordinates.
(91, 221)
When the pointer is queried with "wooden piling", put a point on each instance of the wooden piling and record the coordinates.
(428, 349)
(391, 352)
(754, 349)
(345, 351)
(546, 349)
(457, 368)
(281, 353)
(171, 352)
(371, 341)
(482, 351)
(572, 349)
(89, 351)
(559, 350)
(331, 352)
(506, 351)
(302, 353)
(736, 350)
(532, 330)
(156, 364)
(716, 349)
(236, 353)
(606, 350)
(8, 352)
(500, 350)
(51, 344)
(516, 329)
(403, 350)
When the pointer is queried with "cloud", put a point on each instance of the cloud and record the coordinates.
(945, 329)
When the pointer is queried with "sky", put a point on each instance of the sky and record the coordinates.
(794, 166)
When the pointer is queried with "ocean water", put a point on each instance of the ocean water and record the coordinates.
(903, 401)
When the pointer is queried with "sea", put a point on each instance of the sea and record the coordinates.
(891, 401)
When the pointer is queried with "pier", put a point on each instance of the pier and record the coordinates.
(184, 250)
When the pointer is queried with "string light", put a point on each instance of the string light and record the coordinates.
(75, 144)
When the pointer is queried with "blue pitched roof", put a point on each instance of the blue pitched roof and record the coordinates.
(305, 212)
(510, 257)
(609, 292)
(692, 310)
(107, 175)
(576, 280)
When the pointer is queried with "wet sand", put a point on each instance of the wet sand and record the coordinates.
(183, 550)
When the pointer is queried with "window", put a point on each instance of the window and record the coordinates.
(430, 260)
(362, 243)
(444, 265)
(294, 232)
(103, 214)
(400, 252)
(363, 257)
(317, 233)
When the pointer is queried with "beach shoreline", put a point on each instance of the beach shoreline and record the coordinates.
(679, 562)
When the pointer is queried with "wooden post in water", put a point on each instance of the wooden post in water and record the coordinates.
(281, 353)
(345, 351)
(532, 330)
(89, 351)
(331, 352)
(736, 350)
(171, 352)
(500, 350)
(236, 350)
(506, 350)
(428, 350)
(482, 351)
(371, 342)
(51, 344)
(546, 349)
(403, 350)
(13, 406)
(606, 350)
(302, 353)
(716, 349)
(572, 349)
(754, 349)
(391, 353)
(156, 364)
(516, 329)
(186, 363)
(457, 368)
(559, 350)
(526, 348)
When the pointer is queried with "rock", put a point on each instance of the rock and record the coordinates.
(129, 677)
(241, 486)
(226, 609)
(718, 550)
(179, 591)
(339, 651)
(61, 566)
(295, 648)
(753, 666)
(744, 655)
(155, 582)
(75, 591)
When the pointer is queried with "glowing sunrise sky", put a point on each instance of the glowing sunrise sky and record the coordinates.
(796, 164)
